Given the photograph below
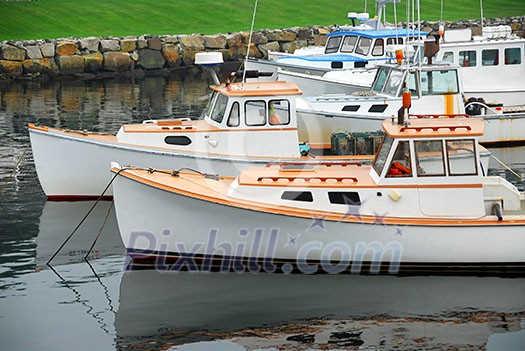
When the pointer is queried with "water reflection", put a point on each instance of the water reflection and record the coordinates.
(87, 222)
(169, 306)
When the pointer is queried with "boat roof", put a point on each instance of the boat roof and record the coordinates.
(380, 33)
(258, 89)
(435, 127)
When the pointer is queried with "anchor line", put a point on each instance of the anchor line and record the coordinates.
(90, 310)
(48, 263)
(99, 232)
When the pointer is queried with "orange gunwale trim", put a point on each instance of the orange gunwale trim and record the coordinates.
(35, 127)
(222, 199)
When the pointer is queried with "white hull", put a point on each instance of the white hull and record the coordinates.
(163, 223)
(71, 167)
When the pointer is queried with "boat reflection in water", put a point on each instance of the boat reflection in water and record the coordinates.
(370, 310)
(59, 220)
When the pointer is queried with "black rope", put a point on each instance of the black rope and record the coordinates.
(84, 218)
(99, 232)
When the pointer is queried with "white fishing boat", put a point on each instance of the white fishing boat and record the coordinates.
(245, 124)
(434, 89)
(424, 202)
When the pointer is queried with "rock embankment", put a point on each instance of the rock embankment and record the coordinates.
(98, 57)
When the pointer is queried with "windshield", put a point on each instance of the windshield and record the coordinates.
(380, 80)
(394, 82)
(207, 110)
(217, 114)
(382, 154)
(439, 82)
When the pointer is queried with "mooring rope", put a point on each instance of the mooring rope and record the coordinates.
(48, 263)
(99, 231)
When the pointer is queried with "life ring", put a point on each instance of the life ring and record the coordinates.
(398, 169)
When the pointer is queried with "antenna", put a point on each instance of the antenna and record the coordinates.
(249, 41)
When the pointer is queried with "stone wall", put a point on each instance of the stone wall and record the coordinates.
(97, 57)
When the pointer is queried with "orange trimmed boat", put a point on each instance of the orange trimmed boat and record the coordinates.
(424, 202)
(244, 125)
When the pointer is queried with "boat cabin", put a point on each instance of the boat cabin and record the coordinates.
(241, 119)
(354, 49)
(369, 44)
(492, 65)
(425, 168)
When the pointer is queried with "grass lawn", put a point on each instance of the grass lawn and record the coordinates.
(81, 18)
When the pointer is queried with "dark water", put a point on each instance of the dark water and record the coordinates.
(98, 306)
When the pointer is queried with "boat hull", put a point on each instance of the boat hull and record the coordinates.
(177, 230)
(72, 167)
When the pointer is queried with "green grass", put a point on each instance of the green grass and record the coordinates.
(80, 18)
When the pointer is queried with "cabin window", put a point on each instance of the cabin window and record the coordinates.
(332, 45)
(467, 58)
(382, 154)
(379, 48)
(513, 56)
(461, 155)
(412, 83)
(394, 41)
(255, 112)
(448, 56)
(490, 57)
(380, 80)
(349, 43)
(233, 118)
(394, 82)
(400, 165)
(209, 106)
(279, 112)
(430, 160)
(304, 196)
(363, 46)
(217, 114)
(439, 82)
(344, 198)
(177, 140)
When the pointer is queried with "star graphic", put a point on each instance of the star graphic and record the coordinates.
(292, 240)
(317, 222)
(379, 219)
(353, 209)
(399, 231)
